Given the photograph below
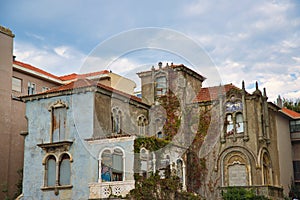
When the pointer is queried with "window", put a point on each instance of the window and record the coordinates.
(16, 84)
(160, 86)
(158, 128)
(31, 88)
(51, 171)
(116, 116)
(295, 126)
(144, 157)
(112, 165)
(44, 89)
(179, 171)
(229, 125)
(234, 121)
(58, 124)
(239, 123)
(62, 168)
(142, 121)
(58, 121)
(159, 134)
(164, 168)
(296, 165)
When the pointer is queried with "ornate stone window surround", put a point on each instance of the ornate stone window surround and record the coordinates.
(142, 122)
(58, 159)
(56, 105)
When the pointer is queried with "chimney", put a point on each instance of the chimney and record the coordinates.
(279, 101)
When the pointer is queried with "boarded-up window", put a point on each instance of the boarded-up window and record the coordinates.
(16, 84)
(58, 124)
(65, 170)
(51, 171)
(237, 175)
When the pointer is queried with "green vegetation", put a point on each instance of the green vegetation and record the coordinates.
(294, 191)
(291, 104)
(159, 189)
(236, 193)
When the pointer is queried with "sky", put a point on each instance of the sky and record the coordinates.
(225, 41)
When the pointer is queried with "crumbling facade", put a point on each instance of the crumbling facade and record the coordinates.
(84, 144)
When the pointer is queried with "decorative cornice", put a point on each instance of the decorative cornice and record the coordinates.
(6, 31)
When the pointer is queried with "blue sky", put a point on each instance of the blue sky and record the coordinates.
(251, 40)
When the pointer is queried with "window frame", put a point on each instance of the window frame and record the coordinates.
(161, 87)
(31, 88)
(57, 175)
(52, 108)
(21, 83)
(116, 120)
(234, 109)
(295, 127)
(296, 169)
(114, 175)
(142, 122)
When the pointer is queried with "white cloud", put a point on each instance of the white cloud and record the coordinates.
(57, 60)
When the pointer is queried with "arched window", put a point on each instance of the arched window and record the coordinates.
(51, 171)
(116, 116)
(117, 171)
(179, 171)
(234, 122)
(239, 123)
(112, 168)
(158, 127)
(65, 170)
(160, 85)
(144, 157)
(142, 122)
(266, 170)
(106, 166)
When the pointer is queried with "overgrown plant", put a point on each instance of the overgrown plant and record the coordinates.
(237, 193)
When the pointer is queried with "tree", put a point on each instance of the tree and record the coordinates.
(292, 104)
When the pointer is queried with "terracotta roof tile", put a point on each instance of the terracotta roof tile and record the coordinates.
(30, 67)
(211, 93)
(290, 113)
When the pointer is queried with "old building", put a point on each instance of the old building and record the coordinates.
(19, 79)
(82, 145)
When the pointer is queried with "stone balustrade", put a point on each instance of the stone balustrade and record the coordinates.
(107, 189)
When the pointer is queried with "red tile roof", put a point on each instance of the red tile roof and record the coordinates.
(290, 113)
(30, 67)
(68, 77)
(79, 76)
(211, 93)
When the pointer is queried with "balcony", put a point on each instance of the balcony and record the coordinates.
(271, 192)
(106, 189)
